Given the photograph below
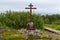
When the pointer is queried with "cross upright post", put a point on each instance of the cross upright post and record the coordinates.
(30, 7)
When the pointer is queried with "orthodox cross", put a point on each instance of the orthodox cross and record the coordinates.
(30, 7)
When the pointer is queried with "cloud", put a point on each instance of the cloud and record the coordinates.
(47, 6)
(11, 0)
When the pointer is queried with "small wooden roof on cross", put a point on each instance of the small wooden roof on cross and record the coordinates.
(30, 7)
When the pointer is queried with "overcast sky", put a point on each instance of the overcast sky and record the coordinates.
(43, 6)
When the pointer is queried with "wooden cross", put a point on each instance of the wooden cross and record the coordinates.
(30, 7)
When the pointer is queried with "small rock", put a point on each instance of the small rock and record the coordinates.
(1, 38)
(23, 30)
(2, 29)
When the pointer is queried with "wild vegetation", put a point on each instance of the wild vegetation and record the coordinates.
(19, 20)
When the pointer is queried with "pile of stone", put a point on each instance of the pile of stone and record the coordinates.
(35, 33)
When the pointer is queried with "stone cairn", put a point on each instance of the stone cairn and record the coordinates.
(31, 31)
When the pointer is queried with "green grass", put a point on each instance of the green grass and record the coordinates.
(12, 35)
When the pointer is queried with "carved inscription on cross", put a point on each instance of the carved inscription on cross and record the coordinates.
(30, 7)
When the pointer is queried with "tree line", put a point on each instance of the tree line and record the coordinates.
(51, 19)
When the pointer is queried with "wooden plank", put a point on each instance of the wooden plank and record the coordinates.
(52, 30)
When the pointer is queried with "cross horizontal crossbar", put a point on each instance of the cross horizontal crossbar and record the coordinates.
(30, 8)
